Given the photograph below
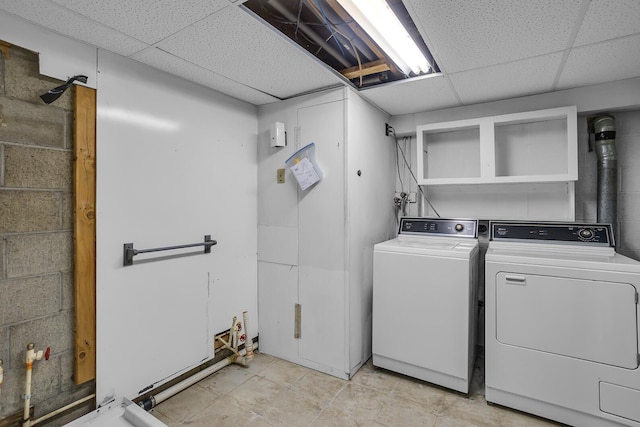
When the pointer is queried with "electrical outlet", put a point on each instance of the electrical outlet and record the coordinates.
(280, 176)
(412, 197)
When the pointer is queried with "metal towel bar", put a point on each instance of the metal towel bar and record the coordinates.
(129, 252)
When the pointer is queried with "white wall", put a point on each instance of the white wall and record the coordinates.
(623, 94)
(59, 57)
(628, 141)
(552, 201)
(175, 161)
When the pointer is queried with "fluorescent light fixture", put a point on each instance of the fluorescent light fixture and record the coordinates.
(384, 27)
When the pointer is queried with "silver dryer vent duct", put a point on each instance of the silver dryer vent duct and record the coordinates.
(604, 130)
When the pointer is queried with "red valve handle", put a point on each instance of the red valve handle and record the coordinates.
(47, 353)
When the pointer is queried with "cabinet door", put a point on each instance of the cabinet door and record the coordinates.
(322, 240)
(277, 297)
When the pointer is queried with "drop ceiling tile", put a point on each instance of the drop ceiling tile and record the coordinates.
(465, 34)
(55, 18)
(510, 80)
(147, 20)
(179, 67)
(413, 95)
(609, 19)
(617, 59)
(234, 44)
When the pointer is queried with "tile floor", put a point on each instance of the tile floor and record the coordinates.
(274, 392)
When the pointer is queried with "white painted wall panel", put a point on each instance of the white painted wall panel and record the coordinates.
(174, 162)
(278, 244)
(370, 213)
(534, 202)
(60, 57)
(600, 97)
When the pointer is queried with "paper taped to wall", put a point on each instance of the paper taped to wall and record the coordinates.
(304, 167)
(305, 173)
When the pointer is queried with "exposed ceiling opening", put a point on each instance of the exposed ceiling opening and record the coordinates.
(325, 30)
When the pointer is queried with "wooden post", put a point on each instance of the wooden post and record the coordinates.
(4, 48)
(85, 233)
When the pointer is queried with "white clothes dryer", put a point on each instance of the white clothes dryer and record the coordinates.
(562, 324)
(424, 301)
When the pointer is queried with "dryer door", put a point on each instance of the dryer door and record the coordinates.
(585, 319)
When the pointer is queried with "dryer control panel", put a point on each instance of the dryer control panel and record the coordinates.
(439, 227)
(571, 233)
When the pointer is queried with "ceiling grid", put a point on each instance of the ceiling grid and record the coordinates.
(486, 49)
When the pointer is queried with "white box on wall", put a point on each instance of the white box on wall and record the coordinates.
(278, 135)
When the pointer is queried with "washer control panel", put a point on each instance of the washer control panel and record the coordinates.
(596, 234)
(439, 227)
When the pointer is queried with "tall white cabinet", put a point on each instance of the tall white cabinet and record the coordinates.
(315, 247)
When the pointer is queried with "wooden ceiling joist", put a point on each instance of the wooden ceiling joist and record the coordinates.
(361, 34)
(367, 69)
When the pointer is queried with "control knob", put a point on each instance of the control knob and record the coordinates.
(585, 233)
(459, 227)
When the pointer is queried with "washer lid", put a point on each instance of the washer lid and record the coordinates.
(432, 246)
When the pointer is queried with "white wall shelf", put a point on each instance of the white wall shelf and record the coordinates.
(535, 146)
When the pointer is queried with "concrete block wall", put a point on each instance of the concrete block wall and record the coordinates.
(628, 150)
(36, 239)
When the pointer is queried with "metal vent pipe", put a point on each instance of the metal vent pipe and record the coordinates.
(604, 128)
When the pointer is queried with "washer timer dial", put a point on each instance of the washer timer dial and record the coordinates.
(586, 233)
(459, 227)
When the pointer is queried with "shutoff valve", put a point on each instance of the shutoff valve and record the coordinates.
(33, 355)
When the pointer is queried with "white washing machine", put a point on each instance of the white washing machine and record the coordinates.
(424, 301)
(562, 324)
